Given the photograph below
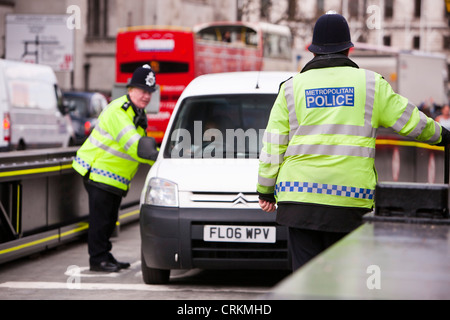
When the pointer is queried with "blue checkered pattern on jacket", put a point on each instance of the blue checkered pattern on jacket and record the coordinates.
(101, 172)
(82, 163)
(110, 175)
(330, 189)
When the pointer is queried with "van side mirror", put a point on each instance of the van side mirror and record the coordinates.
(62, 107)
(69, 105)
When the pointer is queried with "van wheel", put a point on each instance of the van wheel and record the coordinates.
(152, 275)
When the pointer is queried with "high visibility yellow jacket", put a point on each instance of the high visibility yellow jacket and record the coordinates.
(110, 154)
(319, 144)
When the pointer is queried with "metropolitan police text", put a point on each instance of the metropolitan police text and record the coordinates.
(330, 97)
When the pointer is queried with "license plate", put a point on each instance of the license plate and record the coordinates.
(239, 234)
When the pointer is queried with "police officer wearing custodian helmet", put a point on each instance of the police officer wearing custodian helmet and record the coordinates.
(318, 158)
(108, 161)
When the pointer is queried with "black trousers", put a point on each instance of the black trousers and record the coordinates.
(103, 214)
(305, 244)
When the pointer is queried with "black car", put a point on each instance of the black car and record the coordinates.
(84, 109)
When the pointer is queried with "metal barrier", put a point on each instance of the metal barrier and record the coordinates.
(403, 160)
(43, 202)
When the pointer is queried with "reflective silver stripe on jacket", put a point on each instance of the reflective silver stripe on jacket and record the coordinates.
(290, 100)
(406, 116)
(103, 132)
(271, 158)
(368, 107)
(110, 150)
(331, 150)
(267, 182)
(130, 141)
(122, 133)
(420, 126)
(437, 133)
(275, 138)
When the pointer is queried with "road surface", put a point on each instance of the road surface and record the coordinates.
(63, 274)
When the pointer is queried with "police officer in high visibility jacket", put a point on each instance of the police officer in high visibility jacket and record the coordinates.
(108, 161)
(317, 161)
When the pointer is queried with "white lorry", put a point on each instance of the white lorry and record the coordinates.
(419, 76)
(31, 111)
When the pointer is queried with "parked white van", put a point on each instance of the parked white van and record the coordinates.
(199, 206)
(31, 108)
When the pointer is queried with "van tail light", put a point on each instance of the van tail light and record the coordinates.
(6, 127)
(87, 128)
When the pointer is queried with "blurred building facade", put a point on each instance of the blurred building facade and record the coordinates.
(402, 24)
(95, 46)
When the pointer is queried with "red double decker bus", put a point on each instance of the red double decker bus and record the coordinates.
(178, 55)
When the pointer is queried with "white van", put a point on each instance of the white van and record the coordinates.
(31, 108)
(199, 205)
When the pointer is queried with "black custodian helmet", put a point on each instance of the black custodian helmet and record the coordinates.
(144, 78)
(331, 34)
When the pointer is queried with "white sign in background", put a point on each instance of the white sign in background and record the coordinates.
(42, 39)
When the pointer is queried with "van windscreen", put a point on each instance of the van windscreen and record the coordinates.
(225, 126)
